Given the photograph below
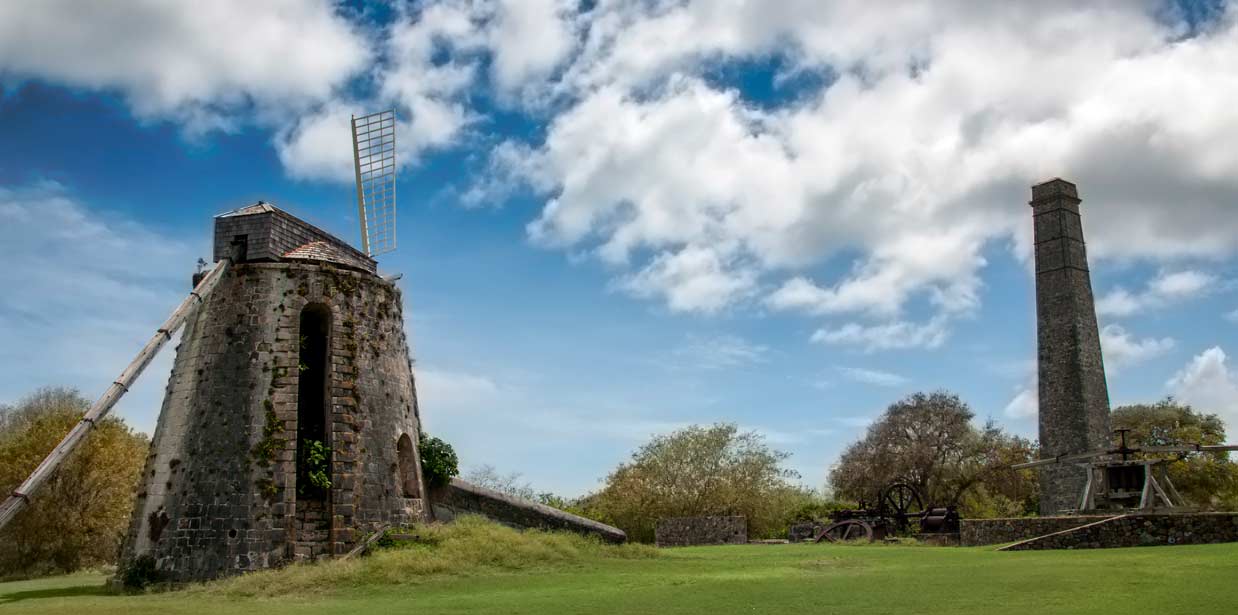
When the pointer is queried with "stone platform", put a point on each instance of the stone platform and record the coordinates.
(1102, 531)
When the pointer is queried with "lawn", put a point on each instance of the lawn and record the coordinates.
(781, 579)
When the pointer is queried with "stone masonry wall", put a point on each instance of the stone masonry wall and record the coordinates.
(1143, 530)
(690, 531)
(219, 494)
(977, 532)
(461, 497)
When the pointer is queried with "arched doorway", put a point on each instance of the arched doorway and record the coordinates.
(408, 467)
(313, 446)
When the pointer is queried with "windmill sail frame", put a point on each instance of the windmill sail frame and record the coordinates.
(373, 141)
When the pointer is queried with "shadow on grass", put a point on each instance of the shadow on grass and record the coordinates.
(56, 592)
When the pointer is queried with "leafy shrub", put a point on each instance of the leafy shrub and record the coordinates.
(438, 460)
(314, 460)
(77, 518)
(140, 574)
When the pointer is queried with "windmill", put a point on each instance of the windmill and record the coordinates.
(373, 138)
(373, 147)
(1116, 481)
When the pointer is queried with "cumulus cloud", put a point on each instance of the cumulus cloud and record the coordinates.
(196, 62)
(1121, 349)
(1209, 385)
(1167, 288)
(912, 160)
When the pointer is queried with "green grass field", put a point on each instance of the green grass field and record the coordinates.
(733, 579)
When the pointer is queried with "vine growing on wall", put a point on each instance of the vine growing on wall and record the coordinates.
(315, 467)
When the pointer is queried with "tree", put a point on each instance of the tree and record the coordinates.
(698, 471)
(1209, 480)
(80, 514)
(928, 440)
(487, 476)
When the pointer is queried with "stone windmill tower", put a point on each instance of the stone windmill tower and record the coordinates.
(290, 422)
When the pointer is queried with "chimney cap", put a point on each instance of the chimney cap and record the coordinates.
(1054, 189)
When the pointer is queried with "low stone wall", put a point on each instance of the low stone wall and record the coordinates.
(1142, 530)
(462, 497)
(977, 532)
(690, 531)
(806, 530)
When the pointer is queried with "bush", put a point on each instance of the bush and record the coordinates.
(699, 471)
(438, 460)
(79, 515)
(469, 545)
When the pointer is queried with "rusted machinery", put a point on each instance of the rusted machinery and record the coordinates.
(899, 505)
(1115, 481)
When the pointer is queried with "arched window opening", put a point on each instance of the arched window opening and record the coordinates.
(313, 449)
(408, 467)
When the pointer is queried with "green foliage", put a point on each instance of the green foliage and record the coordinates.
(264, 450)
(470, 545)
(79, 515)
(715, 470)
(140, 574)
(315, 466)
(1208, 480)
(929, 440)
(438, 460)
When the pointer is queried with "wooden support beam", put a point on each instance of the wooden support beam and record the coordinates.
(20, 498)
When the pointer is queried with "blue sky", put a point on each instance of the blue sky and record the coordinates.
(623, 217)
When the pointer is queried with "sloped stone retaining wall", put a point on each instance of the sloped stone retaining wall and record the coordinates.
(462, 497)
(690, 531)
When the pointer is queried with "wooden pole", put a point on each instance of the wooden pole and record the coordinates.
(20, 498)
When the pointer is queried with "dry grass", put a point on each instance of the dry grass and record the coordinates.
(470, 545)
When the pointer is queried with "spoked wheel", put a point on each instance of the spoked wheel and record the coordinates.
(851, 529)
(902, 501)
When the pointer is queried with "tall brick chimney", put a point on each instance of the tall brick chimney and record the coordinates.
(1074, 399)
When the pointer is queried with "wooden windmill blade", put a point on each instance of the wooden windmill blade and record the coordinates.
(373, 141)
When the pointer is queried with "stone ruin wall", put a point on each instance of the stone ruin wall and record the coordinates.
(1102, 531)
(219, 494)
(978, 532)
(461, 497)
(1143, 530)
(692, 531)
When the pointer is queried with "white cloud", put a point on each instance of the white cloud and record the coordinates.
(1167, 288)
(1232, 316)
(201, 63)
(913, 160)
(450, 391)
(1121, 349)
(529, 39)
(718, 352)
(1209, 385)
(887, 336)
(1025, 403)
(872, 376)
(86, 290)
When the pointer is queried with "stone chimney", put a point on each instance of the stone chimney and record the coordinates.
(1074, 399)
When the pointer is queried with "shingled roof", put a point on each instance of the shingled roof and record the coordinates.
(267, 233)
